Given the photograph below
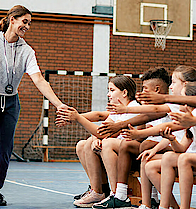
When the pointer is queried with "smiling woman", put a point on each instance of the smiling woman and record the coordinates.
(22, 24)
(16, 58)
(17, 21)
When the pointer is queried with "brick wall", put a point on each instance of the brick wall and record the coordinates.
(64, 45)
(136, 55)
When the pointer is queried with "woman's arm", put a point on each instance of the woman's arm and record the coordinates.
(46, 90)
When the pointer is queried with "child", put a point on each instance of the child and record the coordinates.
(182, 162)
(120, 86)
(150, 171)
(186, 169)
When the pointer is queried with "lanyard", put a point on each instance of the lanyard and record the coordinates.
(14, 61)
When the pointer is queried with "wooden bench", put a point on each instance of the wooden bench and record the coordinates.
(134, 187)
(46, 147)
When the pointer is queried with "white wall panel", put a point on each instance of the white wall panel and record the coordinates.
(101, 50)
(82, 7)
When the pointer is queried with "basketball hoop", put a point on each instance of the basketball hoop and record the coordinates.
(160, 29)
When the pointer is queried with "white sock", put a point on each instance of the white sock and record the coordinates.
(154, 194)
(121, 191)
(142, 206)
(161, 207)
(112, 193)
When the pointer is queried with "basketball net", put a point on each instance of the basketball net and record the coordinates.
(160, 29)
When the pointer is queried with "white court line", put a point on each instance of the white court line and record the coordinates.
(40, 188)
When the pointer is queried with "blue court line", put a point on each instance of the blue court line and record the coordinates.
(40, 188)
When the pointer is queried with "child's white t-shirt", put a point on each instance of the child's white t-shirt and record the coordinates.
(179, 134)
(155, 123)
(176, 108)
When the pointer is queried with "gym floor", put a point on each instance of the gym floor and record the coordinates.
(39, 185)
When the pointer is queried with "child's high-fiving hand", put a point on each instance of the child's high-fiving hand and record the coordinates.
(65, 116)
(117, 108)
(185, 119)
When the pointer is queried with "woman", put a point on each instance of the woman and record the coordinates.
(16, 58)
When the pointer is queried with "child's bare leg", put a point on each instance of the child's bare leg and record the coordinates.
(146, 174)
(110, 148)
(104, 174)
(81, 153)
(94, 167)
(146, 185)
(127, 151)
(186, 163)
(168, 174)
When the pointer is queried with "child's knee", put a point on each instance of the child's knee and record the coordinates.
(80, 146)
(142, 146)
(149, 168)
(167, 158)
(106, 144)
(123, 146)
(183, 160)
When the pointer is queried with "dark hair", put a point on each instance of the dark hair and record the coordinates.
(189, 133)
(125, 82)
(187, 73)
(16, 11)
(157, 73)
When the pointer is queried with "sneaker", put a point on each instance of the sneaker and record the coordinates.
(154, 204)
(89, 199)
(2, 200)
(77, 197)
(143, 207)
(106, 199)
(112, 202)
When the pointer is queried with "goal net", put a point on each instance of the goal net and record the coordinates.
(74, 89)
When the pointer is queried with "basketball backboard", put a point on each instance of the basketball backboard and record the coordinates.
(132, 17)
